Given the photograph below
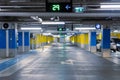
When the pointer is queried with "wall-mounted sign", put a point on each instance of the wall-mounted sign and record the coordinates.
(79, 9)
(98, 26)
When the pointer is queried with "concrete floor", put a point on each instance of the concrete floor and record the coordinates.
(66, 62)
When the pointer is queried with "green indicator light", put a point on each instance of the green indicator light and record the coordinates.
(56, 7)
(60, 29)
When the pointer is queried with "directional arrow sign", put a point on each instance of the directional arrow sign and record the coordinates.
(68, 7)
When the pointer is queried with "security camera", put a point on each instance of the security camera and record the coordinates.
(56, 18)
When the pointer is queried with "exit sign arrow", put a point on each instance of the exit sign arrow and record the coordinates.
(68, 7)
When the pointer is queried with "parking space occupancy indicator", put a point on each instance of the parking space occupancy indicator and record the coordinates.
(55, 7)
(59, 6)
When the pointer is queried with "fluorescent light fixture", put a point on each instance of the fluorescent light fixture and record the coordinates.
(115, 31)
(115, 9)
(111, 3)
(56, 35)
(30, 28)
(85, 28)
(53, 23)
(47, 33)
(110, 6)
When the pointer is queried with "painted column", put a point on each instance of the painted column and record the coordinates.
(105, 42)
(86, 41)
(2, 43)
(12, 42)
(32, 41)
(38, 45)
(78, 40)
(26, 41)
(20, 42)
(82, 41)
(8, 41)
(93, 42)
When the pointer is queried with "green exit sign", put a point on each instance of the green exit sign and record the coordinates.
(55, 7)
(79, 9)
(59, 7)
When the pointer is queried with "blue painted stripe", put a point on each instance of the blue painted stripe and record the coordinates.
(13, 61)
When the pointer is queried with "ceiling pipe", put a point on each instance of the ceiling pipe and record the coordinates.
(48, 14)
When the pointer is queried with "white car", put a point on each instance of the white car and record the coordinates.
(112, 46)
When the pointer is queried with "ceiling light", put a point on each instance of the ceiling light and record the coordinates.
(110, 6)
(110, 3)
(53, 23)
(85, 28)
(47, 33)
(32, 28)
(115, 31)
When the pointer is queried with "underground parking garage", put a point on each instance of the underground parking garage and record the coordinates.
(57, 39)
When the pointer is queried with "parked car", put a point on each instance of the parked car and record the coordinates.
(117, 43)
(112, 45)
(98, 45)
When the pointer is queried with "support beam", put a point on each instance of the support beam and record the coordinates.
(49, 14)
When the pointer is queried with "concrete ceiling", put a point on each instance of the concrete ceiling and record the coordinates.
(20, 11)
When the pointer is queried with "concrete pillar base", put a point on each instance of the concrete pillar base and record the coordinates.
(86, 47)
(12, 53)
(79, 45)
(26, 48)
(20, 49)
(93, 49)
(2, 53)
(82, 46)
(32, 46)
(106, 53)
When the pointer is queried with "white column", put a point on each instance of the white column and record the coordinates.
(89, 40)
(7, 43)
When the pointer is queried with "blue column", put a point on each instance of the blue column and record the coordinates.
(12, 39)
(2, 39)
(19, 38)
(2, 43)
(93, 42)
(27, 41)
(105, 42)
(106, 39)
(93, 39)
(12, 42)
(20, 42)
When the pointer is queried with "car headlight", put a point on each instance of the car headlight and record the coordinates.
(118, 44)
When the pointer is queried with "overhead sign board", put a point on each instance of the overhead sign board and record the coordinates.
(59, 6)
